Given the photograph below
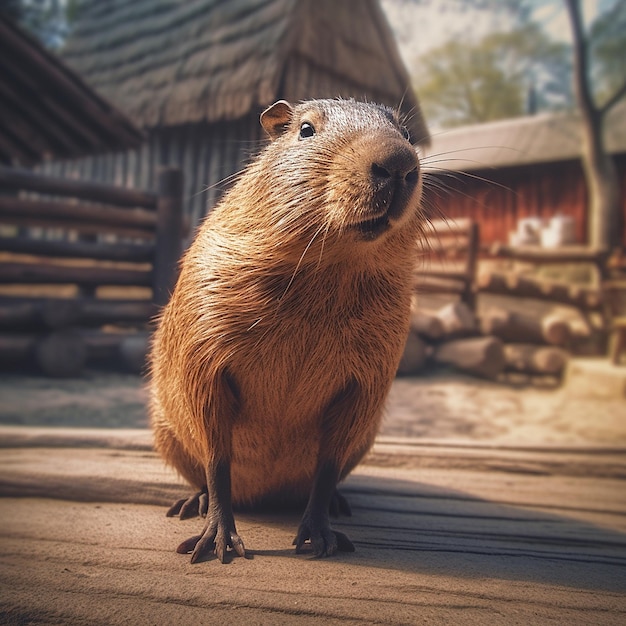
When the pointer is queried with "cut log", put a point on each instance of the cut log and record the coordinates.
(481, 356)
(136, 252)
(134, 352)
(71, 215)
(537, 254)
(61, 354)
(98, 312)
(84, 228)
(414, 355)
(103, 347)
(33, 273)
(525, 287)
(16, 349)
(127, 349)
(443, 274)
(556, 330)
(522, 328)
(426, 284)
(58, 313)
(532, 359)
(458, 320)
(427, 325)
(16, 179)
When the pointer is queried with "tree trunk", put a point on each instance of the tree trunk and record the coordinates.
(605, 220)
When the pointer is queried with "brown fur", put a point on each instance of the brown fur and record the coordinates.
(285, 329)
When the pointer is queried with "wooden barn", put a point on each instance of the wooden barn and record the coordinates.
(195, 75)
(499, 172)
(78, 259)
(47, 111)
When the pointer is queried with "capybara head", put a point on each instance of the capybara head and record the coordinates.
(338, 174)
(349, 166)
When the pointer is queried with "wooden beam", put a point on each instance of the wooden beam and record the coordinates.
(53, 313)
(21, 313)
(136, 252)
(444, 228)
(169, 233)
(16, 179)
(32, 273)
(99, 115)
(524, 287)
(536, 254)
(438, 285)
(30, 141)
(33, 114)
(443, 274)
(79, 227)
(70, 213)
(97, 312)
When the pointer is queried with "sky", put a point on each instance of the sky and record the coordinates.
(420, 27)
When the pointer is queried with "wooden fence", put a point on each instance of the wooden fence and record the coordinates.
(84, 267)
(448, 260)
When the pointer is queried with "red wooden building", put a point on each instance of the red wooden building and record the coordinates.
(499, 172)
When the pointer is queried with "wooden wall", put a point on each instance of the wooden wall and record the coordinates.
(207, 154)
(497, 199)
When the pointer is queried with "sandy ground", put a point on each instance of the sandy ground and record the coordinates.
(481, 503)
(443, 534)
(439, 406)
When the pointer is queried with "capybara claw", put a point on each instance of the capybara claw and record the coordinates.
(216, 539)
(194, 506)
(324, 541)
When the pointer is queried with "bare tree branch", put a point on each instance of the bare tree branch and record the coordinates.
(581, 61)
(614, 99)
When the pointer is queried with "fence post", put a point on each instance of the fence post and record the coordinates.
(168, 234)
(473, 250)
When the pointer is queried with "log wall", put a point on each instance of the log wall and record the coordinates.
(208, 155)
(79, 259)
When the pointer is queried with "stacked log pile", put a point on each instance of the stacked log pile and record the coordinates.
(103, 237)
(511, 341)
(490, 346)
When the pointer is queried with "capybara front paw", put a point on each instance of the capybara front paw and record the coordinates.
(323, 539)
(194, 506)
(217, 537)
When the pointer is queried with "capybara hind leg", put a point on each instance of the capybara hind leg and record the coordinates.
(339, 505)
(219, 533)
(315, 525)
(176, 456)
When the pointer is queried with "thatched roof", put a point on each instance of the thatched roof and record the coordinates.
(47, 111)
(543, 138)
(170, 62)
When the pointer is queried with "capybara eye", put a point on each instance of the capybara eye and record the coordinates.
(405, 133)
(306, 130)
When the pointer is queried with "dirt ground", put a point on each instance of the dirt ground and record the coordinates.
(482, 503)
(439, 406)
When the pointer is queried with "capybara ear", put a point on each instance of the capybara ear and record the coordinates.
(276, 117)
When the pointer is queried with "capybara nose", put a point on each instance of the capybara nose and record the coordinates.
(395, 164)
